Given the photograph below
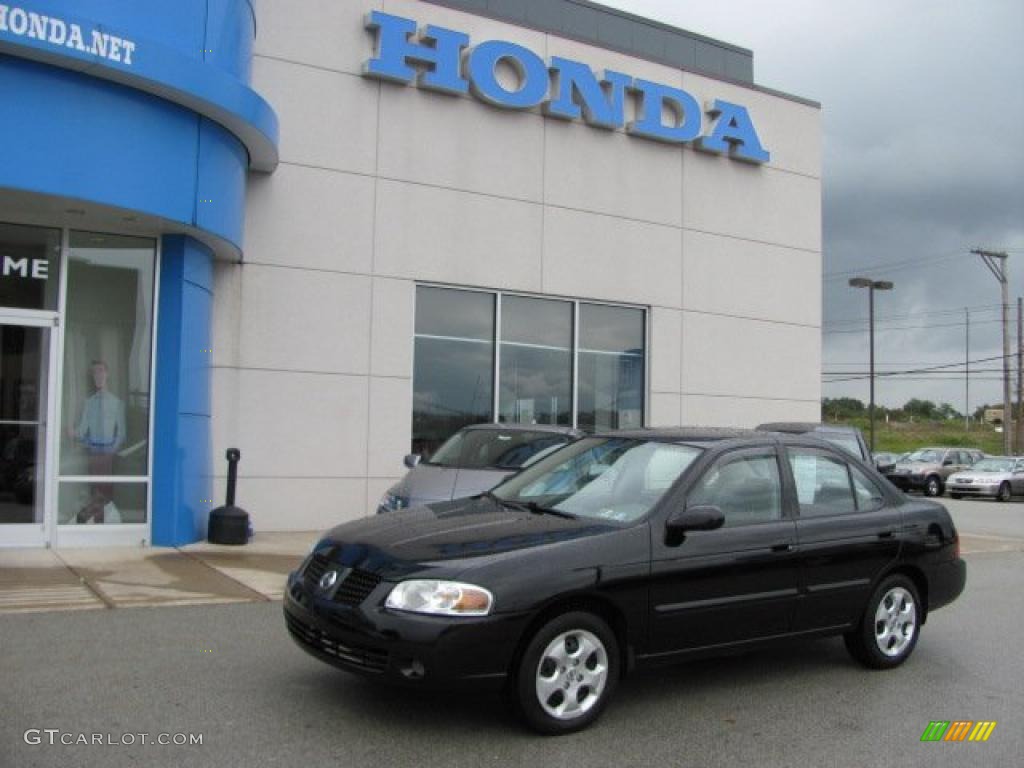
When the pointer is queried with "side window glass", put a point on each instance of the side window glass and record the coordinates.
(822, 484)
(868, 494)
(747, 489)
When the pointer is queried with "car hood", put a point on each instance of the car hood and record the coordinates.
(982, 477)
(447, 537)
(427, 483)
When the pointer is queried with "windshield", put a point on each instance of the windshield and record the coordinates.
(993, 465)
(926, 456)
(605, 478)
(494, 448)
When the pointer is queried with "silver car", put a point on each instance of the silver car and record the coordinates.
(998, 477)
(473, 460)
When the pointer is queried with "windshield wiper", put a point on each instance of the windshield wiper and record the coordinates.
(528, 506)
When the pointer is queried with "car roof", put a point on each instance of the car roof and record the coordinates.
(682, 433)
(553, 428)
(801, 427)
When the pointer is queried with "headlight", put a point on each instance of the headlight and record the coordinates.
(441, 598)
(393, 501)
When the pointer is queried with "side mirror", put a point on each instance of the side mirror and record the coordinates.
(701, 518)
(412, 460)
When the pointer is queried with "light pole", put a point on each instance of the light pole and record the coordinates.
(872, 286)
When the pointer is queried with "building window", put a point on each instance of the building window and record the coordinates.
(550, 361)
(611, 355)
(536, 361)
(105, 413)
(453, 367)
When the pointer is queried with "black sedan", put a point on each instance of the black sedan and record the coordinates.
(625, 550)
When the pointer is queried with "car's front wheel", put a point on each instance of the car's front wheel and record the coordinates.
(1005, 493)
(933, 486)
(890, 626)
(567, 673)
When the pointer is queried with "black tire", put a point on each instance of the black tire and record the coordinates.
(956, 495)
(933, 486)
(528, 672)
(865, 642)
(1005, 493)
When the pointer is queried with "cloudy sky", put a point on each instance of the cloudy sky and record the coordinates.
(923, 106)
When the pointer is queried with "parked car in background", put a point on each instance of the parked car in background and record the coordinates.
(928, 468)
(885, 461)
(849, 439)
(628, 550)
(997, 477)
(471, 461)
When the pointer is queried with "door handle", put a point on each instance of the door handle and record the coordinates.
(783, 548)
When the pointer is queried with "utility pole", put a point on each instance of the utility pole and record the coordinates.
(996, 262)
(872, 286)
(1020, 380)
(967, 370)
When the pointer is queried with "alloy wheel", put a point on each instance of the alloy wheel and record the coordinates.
(571, 674)
(895, 621)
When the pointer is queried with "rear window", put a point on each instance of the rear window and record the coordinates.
(494, 448)
(847, 442)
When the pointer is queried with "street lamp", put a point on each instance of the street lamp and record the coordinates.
(872, 286)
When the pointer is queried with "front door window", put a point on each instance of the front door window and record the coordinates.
(24, 361)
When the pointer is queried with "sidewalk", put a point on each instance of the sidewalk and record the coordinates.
(34, 580)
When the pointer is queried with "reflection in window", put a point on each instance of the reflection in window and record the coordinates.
(611, 359)
(536, 361)
(108, 341)
(454, 367)
(115, 504)
(453, 370)
(822, 484)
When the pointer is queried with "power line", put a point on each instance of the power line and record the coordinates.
(880, 267)
(911, 315)
(946, 366)
(911, 327)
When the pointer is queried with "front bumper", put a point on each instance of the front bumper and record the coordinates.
(973, 489)
(410, 649)
(908, 482)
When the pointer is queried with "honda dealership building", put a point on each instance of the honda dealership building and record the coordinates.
(332, 232)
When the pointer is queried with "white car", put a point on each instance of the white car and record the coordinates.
(998, 477)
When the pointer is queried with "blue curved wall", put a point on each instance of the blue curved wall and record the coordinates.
(172, 133)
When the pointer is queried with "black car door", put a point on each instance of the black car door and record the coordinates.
(847, 533)
(735, 583)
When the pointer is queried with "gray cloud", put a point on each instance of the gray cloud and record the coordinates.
(923, 159)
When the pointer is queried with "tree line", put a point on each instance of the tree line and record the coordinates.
(915, 409)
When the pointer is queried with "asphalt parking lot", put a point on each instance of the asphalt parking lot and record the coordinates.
(231, 674)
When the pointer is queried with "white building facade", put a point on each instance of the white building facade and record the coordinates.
(461, 247)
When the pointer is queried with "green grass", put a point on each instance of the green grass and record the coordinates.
(900, 437)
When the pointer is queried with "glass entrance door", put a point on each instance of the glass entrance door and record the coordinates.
(24, 398)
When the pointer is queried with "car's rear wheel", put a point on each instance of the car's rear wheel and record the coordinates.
(890, 626)
(1004, 492)
(933, 486)
(567, 673)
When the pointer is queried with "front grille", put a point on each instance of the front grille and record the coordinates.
(353, 589)
(316, 568)
(356, 587)
(370, 659)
